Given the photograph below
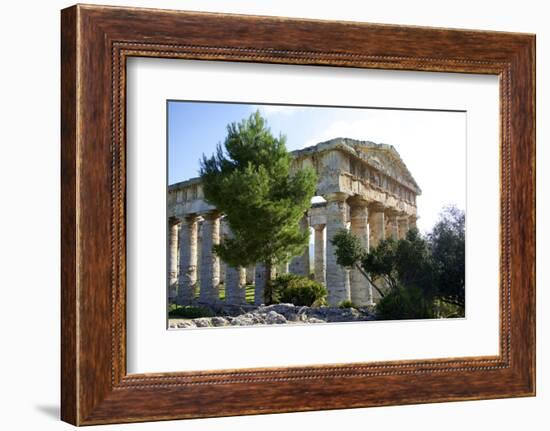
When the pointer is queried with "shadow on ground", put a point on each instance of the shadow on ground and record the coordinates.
(49, 410)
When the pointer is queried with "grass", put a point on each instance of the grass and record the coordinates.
(188, 312)
(193, 312)
(249, 293)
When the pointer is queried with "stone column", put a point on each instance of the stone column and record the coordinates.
(261, 282)
(283, 268)
(250, 274)
(300, 264)
(188, 233)
(235, 278)
(173, 231)
(377, 224)
(235, 286)
(403, 227)
(392, 227)
(242, 278)
(223, 268)
(224, 231)
(199, 248)
(335, 274)
(319, 244)
(210, 263)
(360, 288)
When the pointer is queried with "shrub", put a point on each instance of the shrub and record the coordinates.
(282, 282)
(297, 290)
(347, 304)
(404, 303)
(189, 312)
(321, 302)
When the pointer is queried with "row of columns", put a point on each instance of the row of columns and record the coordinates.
(370, 222)
(183, 261)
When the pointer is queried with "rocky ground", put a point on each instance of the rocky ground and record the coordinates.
(276, 314)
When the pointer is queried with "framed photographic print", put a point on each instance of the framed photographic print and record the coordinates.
(291, 207)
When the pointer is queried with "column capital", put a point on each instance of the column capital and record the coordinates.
(336, 197)
(391, 212)
(210, 215)
(188, 218)
(358, 201)
(173, 220)
(319, 226)
(377, 207)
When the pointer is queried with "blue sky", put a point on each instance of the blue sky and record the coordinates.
(431, 143)
(195, 128)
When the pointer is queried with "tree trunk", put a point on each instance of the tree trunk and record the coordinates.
(364, 273)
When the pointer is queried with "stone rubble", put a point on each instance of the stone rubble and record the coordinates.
(276, 314)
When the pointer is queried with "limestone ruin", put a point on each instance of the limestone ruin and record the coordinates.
(364, 186)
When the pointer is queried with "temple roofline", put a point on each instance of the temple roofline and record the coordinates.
(346, 145)
(349, 145)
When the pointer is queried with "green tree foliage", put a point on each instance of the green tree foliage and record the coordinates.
(380, 263)
(418, 272)
(298, 290)
(404, 303)
(448, 247)
(403, 263)
(414, 264)
(349, 251)
(249, 180)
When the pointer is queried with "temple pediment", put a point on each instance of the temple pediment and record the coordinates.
(386, 159)
(383, 158)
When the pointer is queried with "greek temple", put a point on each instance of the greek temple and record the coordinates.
(362, 186)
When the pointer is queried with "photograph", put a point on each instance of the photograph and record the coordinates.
(295, 214)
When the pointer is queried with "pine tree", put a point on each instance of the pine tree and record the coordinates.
(249, 180)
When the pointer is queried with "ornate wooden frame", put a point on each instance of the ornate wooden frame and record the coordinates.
(95, 43)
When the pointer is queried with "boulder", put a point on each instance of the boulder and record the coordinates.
(202, 322)
(274, 318)
(218, 321)
(243, 320)
(286, 310)
(186, 324)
